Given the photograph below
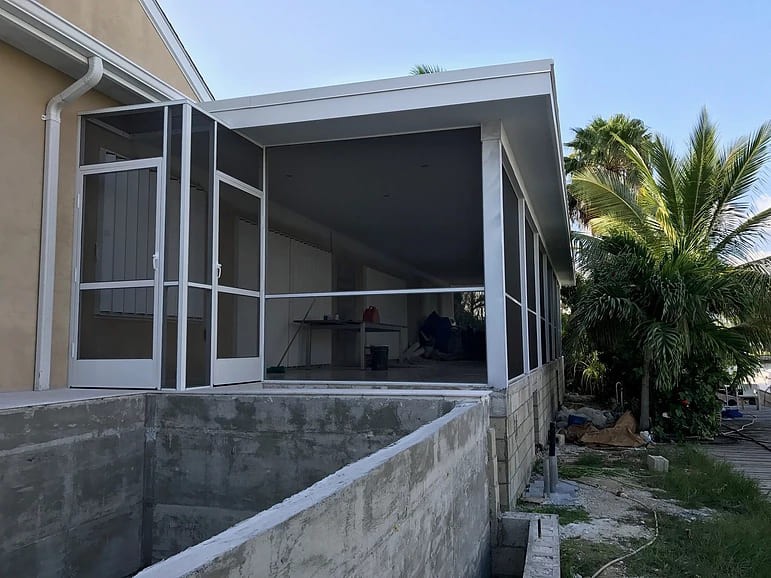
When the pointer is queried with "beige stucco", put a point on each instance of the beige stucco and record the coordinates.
(125, 27)
(23, 101)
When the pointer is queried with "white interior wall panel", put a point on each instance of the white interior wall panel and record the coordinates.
(295, 267)
(311, 270)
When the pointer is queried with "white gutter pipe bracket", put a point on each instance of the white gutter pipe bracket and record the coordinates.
(45, 305)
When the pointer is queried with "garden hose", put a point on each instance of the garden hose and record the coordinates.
(641, 548)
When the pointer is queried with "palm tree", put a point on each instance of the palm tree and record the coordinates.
(671, 255)
(425, 69)
(596, 147)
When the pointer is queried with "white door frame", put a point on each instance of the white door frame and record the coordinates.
(119, 373)
(236, 370)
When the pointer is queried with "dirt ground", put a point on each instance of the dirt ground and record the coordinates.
(618, 511)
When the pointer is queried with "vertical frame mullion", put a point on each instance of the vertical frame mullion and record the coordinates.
(214, 278)
(160, 245)
(184, 242)
(77, 238)
(263, 255)
(546, 307)
(523, 285)
(537, 274)
(214, 257)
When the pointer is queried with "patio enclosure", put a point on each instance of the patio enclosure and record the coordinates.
(202, 258)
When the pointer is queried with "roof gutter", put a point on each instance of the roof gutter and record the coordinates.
(52, 118)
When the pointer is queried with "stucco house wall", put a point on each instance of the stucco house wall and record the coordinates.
(21, 194)
(126, 28)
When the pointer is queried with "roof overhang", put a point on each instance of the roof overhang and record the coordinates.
(522, 96)
(44, 35)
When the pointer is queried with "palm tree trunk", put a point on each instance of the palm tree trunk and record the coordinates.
(645, 394)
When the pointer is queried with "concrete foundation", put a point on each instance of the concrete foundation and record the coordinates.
(415, 508)
(245, 481)
(214, 460)
(71, 488)
(105, 487)
(520, 416)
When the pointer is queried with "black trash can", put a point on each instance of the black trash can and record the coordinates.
(379, 357)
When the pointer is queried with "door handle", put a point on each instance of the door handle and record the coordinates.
(155, 261)
(219, 270)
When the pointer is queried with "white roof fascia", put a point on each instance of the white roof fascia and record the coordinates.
(450, 88)
(563, 177)
(174, 44)
(70, 41)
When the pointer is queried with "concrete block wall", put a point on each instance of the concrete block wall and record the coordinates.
(214, 460)
(71, 482)
(527, 546)
(418, 507)
(520, 422)
(546, 399)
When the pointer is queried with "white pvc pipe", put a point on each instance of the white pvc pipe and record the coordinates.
(45, 305)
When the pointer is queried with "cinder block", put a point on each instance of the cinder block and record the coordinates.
(658, 463)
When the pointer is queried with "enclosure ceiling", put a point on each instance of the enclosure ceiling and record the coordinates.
(415, 198)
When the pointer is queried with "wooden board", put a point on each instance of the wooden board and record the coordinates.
(748, 457)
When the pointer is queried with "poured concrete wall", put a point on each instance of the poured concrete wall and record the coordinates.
(415, 508)
(527, 546)
(520, 416)
(214, 460)
(71, 477)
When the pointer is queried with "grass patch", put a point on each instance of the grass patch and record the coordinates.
(733, 543)
(696, 480)
(591, 460)
(579, 556)
(574, 472)
(567, 515)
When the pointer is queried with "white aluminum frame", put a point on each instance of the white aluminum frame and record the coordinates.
(241, 369)
(495, 296)
(367, 292)
(119, 373)
(184, 246)
(522, 302)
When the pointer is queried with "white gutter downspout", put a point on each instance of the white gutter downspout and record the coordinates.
(45, 303)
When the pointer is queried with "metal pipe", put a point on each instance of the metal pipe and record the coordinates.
(553, 474)
(45, 305)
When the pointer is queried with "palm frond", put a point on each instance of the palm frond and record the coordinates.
(419, 69)
(605, 194)
(743, 240)
(741, 166)
(698, 172)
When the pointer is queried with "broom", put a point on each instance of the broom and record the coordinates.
(278, 368)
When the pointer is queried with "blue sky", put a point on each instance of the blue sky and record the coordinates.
(660, 61)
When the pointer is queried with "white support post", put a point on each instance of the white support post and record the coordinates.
(184, 246)
(495, 296)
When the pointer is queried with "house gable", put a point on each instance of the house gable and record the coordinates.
(138, 30)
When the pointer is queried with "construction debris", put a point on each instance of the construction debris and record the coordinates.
(658, 464)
